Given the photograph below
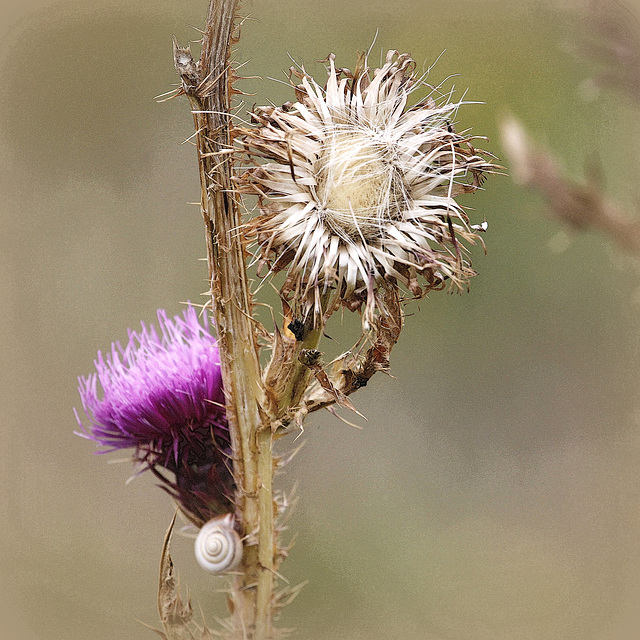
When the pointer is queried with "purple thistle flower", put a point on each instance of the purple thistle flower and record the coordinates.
(162, 396)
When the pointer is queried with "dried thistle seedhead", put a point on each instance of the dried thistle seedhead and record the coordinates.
(357, 193)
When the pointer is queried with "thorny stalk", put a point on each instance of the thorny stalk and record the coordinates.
(208, 85)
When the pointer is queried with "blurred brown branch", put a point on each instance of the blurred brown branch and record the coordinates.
(610, 38)
(579, 205)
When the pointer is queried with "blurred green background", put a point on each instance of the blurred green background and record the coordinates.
(493, 492)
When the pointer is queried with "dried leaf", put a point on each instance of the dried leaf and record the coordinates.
(337, 395)
(349, 373)
(175, 614)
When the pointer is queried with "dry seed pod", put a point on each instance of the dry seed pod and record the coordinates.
(218, 547)
(356, 189)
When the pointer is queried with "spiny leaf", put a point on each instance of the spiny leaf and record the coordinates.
(175, 614)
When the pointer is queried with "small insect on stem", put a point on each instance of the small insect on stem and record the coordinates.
(297, 328)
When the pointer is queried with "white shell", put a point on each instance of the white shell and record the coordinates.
(218, 546)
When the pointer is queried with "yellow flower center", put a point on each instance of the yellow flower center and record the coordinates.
(355, 184)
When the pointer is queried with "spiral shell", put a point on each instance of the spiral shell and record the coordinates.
(218, 546)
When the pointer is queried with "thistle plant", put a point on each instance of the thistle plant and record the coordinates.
(356, 184)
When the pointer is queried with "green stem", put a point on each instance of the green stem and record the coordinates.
(286, 376)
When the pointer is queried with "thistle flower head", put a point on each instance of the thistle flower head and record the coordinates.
(161, 395)
(357, 191)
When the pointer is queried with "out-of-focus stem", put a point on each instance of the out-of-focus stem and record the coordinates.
(581, 206)
(207, 83)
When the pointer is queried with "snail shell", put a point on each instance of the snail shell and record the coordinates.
(218, 546)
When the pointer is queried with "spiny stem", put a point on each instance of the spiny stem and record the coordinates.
(207, 84)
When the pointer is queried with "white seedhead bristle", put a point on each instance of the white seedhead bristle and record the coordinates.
(357, 190)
